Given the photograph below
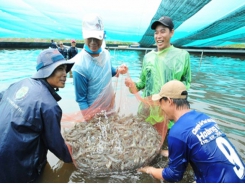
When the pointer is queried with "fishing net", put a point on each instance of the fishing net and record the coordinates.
(219, 27)
(113, 136)
(112, 143)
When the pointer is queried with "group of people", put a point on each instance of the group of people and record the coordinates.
(67, 53)
(30, 115)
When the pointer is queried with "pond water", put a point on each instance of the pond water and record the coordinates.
(217, 89)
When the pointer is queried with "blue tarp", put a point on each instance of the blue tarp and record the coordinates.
(197, 23)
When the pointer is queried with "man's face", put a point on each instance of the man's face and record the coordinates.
(167, 108)
(58, 77)
(93, 43)
(162, 37)
(73, 44)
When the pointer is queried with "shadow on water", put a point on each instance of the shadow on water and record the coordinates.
(217, 89)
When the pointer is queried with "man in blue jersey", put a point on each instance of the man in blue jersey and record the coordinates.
(195, 138)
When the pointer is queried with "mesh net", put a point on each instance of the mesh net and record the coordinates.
(230, 22)
(179, 11)
(197, 23)
(235, 39)
(114, 137)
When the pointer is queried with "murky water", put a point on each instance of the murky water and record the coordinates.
(217, 89)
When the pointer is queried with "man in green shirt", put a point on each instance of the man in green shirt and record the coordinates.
(160, 66)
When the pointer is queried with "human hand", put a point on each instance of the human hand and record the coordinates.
(130, 84)
(155, 172)
(147, 169)
(69, 148)
(122, 69)
(165, 153)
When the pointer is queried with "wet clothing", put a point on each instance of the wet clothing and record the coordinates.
(158, 68)
(196, 139)
(63, 51)
(29, 127)
(91, 77)
(72, 51)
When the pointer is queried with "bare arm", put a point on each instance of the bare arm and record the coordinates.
(131, 85)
